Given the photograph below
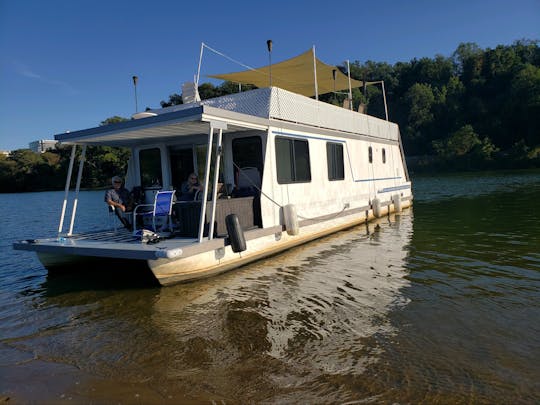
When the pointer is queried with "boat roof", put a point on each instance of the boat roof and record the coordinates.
(257, 109)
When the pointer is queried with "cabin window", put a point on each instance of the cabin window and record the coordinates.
(334, 158)
(370, 154)
(150, 164)
(292, 160)
(383, 155)
(247, 152)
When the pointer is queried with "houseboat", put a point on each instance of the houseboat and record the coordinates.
(278, 168)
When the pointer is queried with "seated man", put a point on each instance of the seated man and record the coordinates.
(119, 199)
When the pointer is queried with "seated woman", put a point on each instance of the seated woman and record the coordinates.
(190, 187)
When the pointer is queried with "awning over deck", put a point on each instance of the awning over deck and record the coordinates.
(190, 121)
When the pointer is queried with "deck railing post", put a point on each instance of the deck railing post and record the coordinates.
(214, 189)
(66, 192)
(206, 180)
(77, 188)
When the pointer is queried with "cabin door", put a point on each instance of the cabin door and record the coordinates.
(248, 171)
(181, 166)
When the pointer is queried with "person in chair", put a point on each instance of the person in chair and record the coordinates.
(119, 199)
(190, 187)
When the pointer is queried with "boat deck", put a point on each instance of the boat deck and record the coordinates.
(121, 236)
(119, 244)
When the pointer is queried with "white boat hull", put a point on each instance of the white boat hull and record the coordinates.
(209, 263)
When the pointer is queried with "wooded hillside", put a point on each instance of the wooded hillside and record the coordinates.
(477, 109)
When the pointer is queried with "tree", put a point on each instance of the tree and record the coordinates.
(419, 100)
(458, 143)
(174, 99)
(525, 104)
(113, 120)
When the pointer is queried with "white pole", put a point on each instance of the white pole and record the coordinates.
(206, 180)
(215, 190)
(315, 74)
(68, 181)
(77, 188)
(384, 98)
(350, 88)
(199, 67)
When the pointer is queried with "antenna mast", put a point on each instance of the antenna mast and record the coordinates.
(135, 79)
(269, 46)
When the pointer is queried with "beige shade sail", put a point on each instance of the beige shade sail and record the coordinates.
(295, 75)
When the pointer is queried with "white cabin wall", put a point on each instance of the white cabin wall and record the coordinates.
(362, 183)
(269, 210)
(131, 172)
(321, 196)
(165, 167)
(361, 168)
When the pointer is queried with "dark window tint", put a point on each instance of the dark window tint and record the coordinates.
(150, 163)
(292, 160)
(384, 155)
(370, 154)
(334, 158)
(247, 152)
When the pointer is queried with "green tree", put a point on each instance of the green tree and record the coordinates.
(419, 100)
(459, 143)
(174, 99)
(113, 120)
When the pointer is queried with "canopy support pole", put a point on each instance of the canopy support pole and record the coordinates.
(315, 74)
(206, 180)
(77, 188)
(199, 67)
(350, 88)
(384, 98)
(66, 192)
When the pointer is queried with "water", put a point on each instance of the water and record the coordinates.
(440, 304)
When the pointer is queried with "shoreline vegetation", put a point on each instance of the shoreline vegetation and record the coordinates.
(476, 110)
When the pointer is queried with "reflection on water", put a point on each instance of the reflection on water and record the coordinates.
(274, 329)
(437, 306)
(306, 308)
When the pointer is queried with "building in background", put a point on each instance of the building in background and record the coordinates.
(42, 145)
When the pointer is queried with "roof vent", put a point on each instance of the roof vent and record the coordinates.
(145, 114)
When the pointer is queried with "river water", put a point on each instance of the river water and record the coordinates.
(440, 304)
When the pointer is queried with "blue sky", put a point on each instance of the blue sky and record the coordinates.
(67, 65)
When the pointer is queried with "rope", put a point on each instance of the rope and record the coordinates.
(229, 58)
(244, 65)
(276, 203)
(255, 186)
